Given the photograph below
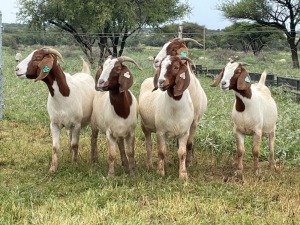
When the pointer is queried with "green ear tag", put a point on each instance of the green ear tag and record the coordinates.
(247, 79)
(183, 54)
(46, 69)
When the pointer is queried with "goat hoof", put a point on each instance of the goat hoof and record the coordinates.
(238, 172)
(125, 163)
(149, 166)
(183, 176)
(111, 175)
(257, 172)
(161, 173)
(52, 169)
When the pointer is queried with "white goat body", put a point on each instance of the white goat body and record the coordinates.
(261, 113)
(166, 115)
(115, 112)
(77, 107)
(254, 111)
(70, 97)
(177, 47)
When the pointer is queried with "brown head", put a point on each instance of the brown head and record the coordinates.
(115, 77)
(173, 76)
(114, 74)
(175, 47)
(234, 76)
(42, 64)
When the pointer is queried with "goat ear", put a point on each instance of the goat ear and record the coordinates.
(182, 81)
(125, 80)
(155, 79)
(183, 51)
(218, 79)
(98, 73)
(45, 66)
(244, 81)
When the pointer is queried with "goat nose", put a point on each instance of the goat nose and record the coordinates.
(156, 62)
(223, 82)
(100, 81)
(161, 81)
(17, 69)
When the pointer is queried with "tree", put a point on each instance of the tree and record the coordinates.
(250, 36)
(280, 14)
(190, 30)
(106, 23)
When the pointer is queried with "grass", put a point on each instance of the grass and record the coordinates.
(82, 194)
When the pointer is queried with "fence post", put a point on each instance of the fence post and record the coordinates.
(1, 72)
(180, 31)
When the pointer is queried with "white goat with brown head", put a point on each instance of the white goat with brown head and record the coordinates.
(177, 47)
(254, 111)
(115, 111)
(70, 98)
(168, 111)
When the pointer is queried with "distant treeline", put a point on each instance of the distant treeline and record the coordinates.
(15, 35)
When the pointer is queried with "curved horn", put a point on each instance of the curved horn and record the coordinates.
(48, 50)
(187, 59)
(190, 39)
(128, 59)
(244, 63)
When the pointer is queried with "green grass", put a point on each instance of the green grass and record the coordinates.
(82, 194)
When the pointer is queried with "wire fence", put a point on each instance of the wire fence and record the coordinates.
(1, 72)
(219, 43)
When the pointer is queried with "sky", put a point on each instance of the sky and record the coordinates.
(203, 13)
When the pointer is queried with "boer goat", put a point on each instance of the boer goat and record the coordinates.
(254, 111)
(115, 111)
(70, 98)
(177, 47)
(168, 112)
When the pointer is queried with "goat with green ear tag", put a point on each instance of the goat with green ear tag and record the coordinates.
(254, 112)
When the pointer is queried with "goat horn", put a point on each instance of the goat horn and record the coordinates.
(128, 59)
(190, 39)
(187, 59)
(244, 63)
(48, 50)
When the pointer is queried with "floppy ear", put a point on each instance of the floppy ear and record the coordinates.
(98, 73)
(125, 80)
(244, 81)
(155, 79)
(45, 66)
(218, 79)
(182, 80)
(183, 51)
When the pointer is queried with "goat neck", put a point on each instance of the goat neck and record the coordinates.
(121, 102)
(57, 74)
(170, 92)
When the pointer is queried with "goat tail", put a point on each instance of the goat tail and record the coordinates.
(85, 67)
(263, 78)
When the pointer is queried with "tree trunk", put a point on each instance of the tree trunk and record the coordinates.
(294, 52)
(123, 42)
(295, 59)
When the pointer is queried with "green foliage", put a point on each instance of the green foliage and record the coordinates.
(15, 35)
(282, 15)
(106, 23)
(250, 36)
